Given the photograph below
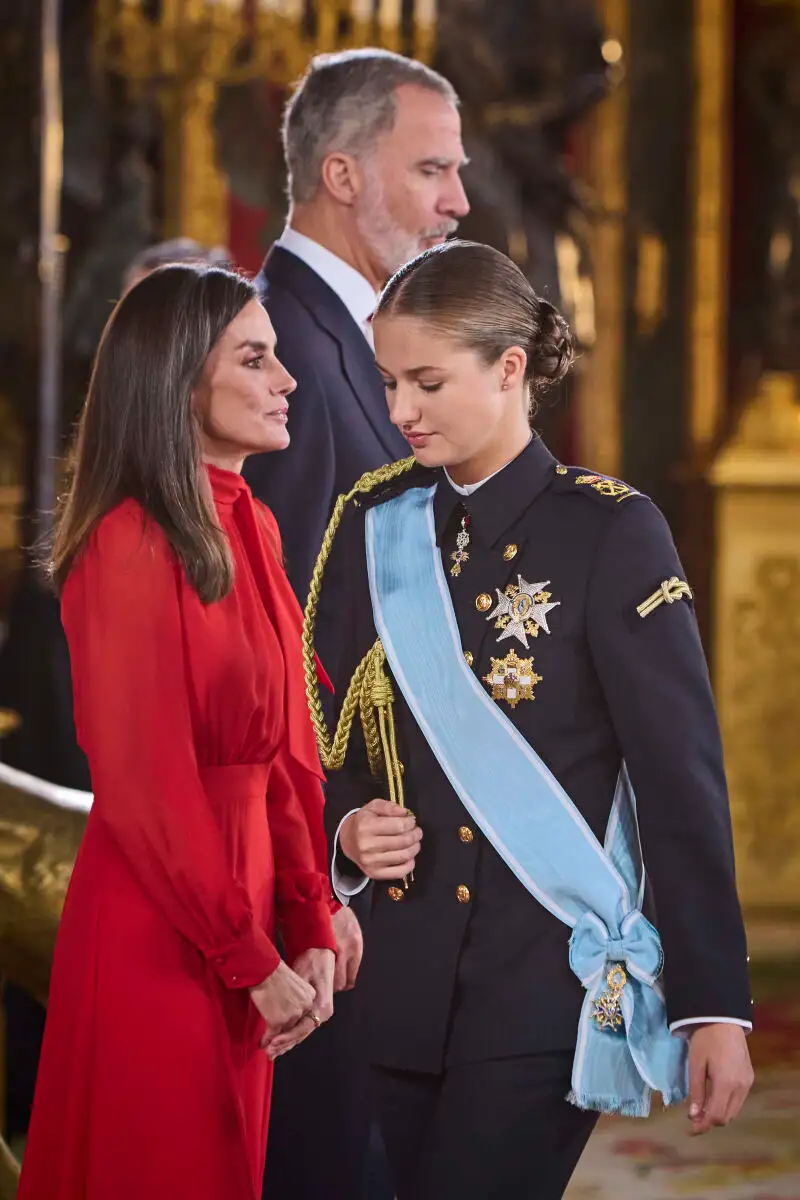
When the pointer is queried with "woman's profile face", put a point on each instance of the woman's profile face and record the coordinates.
(442, 397)
(241, 400)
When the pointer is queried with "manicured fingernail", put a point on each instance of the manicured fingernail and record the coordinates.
(694, 1110)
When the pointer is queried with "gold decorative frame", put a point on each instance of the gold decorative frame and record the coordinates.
(712, 61)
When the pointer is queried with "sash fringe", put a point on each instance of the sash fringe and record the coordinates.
(613, 1106)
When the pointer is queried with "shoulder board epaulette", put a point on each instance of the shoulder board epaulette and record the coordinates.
(375, 487)
(604, 487)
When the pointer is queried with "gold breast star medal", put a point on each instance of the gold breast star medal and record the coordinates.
(512, 679)
(461, 555)
(522, 610)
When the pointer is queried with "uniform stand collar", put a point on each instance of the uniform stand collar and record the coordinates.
(501, 500)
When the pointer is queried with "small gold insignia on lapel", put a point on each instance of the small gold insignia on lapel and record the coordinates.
(606, 487)
(512, 679)
(561, 471)
(510, 552)
(521, 610)
(469, 658)
(483, 602)
(670, 590)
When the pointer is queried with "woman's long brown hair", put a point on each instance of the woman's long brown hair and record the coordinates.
(137, 436)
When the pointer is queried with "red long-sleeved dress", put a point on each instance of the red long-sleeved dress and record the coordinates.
(206, 832)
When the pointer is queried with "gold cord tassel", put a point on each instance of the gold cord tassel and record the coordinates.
(332, 752)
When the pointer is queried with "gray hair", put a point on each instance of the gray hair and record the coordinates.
(344, 102)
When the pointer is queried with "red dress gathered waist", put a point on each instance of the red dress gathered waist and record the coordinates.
(204, 837)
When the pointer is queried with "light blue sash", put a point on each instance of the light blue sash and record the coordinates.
(528, 817)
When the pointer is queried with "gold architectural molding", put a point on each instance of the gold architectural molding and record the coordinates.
(712, 35)
(600, 393)
(756, 477)
(195, 188)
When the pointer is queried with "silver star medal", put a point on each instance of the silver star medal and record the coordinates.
(522, 608)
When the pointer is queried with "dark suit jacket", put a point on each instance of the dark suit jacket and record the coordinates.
(338, 419)
(447, 981)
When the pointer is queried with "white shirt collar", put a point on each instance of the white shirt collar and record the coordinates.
(355, 292)
(466, 489)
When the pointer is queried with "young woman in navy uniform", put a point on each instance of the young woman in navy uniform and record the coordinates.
(569, 614)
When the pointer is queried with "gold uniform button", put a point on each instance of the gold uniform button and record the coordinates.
(465, 834)
(468, 658)
(396, 893)
(462, 894)
(484, 602)
(510, 552)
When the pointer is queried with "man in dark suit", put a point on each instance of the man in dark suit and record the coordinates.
(373, 150)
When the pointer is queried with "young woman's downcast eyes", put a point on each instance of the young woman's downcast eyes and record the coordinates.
(391, 386)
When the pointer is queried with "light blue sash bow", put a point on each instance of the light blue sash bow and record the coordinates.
(530, 820)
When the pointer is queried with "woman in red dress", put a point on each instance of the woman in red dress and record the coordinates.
(168, 997)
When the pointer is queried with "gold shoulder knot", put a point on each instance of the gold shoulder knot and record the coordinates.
(670, 590)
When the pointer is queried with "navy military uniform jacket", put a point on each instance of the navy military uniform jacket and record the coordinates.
(466, 965)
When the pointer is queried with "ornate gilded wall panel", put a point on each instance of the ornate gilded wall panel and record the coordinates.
(759, 680)
(757, 642)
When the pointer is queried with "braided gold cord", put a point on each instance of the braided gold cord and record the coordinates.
(338, 748)
(390, 779)
(327, 747)
(394, 766)
(369, 724)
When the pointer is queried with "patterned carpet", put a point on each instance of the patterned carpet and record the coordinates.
(756, 1158)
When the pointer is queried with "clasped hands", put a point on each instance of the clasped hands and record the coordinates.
(295, 1001)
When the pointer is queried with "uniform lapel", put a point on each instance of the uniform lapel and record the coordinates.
(498, 548)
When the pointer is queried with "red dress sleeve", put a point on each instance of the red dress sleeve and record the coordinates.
(122, 617)
(307, 789)
(303, 901)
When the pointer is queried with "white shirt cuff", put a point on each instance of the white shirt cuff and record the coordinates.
(676, 1025)
(345, 886)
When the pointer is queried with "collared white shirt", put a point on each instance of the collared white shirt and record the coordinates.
(353, 289)
(466, 489)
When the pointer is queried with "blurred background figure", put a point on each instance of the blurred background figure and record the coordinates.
(639, 162)
(176, 250)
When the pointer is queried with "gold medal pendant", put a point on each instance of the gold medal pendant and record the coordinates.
(607, 1009)
(512, 679)
(460, 555)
